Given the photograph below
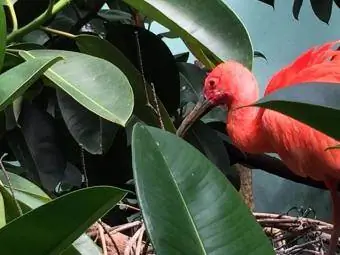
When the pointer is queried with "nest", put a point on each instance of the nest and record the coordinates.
(288, 234)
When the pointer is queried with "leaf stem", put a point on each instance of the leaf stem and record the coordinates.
(58, 32)
(10, 184)
(36, 23)
(13, 15)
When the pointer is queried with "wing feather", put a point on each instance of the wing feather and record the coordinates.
(318, 64)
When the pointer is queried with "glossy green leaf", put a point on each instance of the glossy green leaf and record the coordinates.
(30, 197)
(16, 80)
(209, 143)
(94, 133)
(188, 206)
(3, 33)
(211, 24)
(72, 215)
(2, 211)
(103, 49)
(95, 83)
(315, 104)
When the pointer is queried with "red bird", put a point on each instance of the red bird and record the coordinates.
(259, 130)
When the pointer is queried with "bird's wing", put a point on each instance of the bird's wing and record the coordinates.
(318, 64)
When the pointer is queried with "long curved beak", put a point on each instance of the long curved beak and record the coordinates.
(202, 107)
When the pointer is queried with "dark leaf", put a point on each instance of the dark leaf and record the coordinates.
(322, 9)
(159, 69)
(337, 2)
(258, 54)
(182, 57)
(208, 26)
(180, 191)
(315, 104)
(68, 216)
(38, 129)
(207, 141)
(296, 8)
(116, 15)
(270, 2)
(169, 34)
(192, 78)
(92, 132)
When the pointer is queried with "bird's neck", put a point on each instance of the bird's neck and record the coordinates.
(244, 125)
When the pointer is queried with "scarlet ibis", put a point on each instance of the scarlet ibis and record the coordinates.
(258, 130)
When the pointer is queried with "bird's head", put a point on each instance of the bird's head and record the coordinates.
(222, 86)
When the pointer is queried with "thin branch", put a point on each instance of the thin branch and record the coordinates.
(102, 239)
(10, 184)
(58, 32)
(39, 21)
(13, 15)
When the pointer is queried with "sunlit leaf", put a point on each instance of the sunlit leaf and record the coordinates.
(211, 24)
(95, 83)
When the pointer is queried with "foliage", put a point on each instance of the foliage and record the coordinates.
(322, 9)
(75, 81)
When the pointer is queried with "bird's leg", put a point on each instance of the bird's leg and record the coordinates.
(332, 186)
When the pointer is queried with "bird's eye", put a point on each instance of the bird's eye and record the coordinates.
(212, 84)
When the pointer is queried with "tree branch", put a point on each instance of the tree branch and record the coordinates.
(39, 21)
(270, 165)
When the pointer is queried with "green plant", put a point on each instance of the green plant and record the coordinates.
(91, 97)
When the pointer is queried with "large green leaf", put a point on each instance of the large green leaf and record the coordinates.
(103, 49)
(315, 104)
(94, 133)
(187, 204)
(210, 24)
(3, 33)
(51, 228)
(95, 83)
(15, 81)
(30, 197)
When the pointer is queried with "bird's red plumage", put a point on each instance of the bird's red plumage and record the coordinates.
(254, 130)
(318, 64)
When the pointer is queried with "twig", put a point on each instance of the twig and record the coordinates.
(83, 166)
(102, 238)
(10, 184)
(132, 241)
(106, 231)
(140, 240)
(128, 206)
(37, 22)
(124, 227)
(13, 15)
(58, 32)
(300, 246)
